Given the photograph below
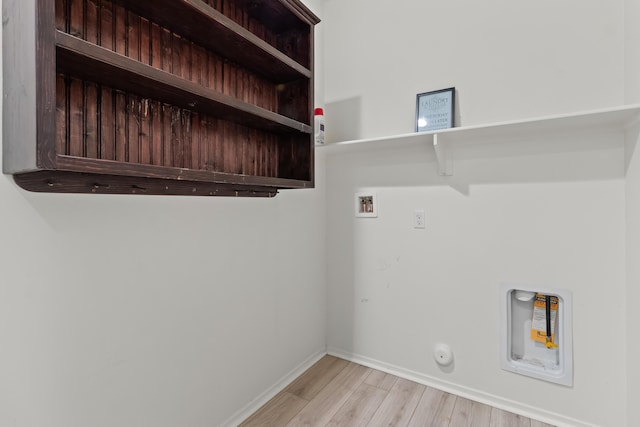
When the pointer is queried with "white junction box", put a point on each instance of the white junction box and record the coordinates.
(366, 204)
(523, 320)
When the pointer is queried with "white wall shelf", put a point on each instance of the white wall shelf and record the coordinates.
(443, 141)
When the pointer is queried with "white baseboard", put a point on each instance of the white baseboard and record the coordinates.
(272, 391)
(466, 392)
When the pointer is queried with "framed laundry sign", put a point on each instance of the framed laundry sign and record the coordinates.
(434, 110)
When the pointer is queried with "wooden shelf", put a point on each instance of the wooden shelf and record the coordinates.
(88, 61)
(82, 182)
(445, 140)
(189, 97)
(110, 167)
(203, 24)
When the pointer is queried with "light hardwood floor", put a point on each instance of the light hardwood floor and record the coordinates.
(337, 393)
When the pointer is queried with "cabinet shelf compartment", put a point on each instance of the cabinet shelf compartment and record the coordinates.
(89, 61)
(108, 27)
(201, 23)
(95, 121)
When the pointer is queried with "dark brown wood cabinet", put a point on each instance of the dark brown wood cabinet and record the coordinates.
(190, 97)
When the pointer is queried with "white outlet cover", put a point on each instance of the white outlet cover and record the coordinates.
(419, 218)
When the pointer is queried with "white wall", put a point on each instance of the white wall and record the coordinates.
(154, 311)
(633, 272)
(548, 212)
(507, 59)
(512, 217)
(632, 95)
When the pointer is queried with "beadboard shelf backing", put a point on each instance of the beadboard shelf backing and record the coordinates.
(216, 94)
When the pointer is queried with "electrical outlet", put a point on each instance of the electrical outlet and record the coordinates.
(418, 219)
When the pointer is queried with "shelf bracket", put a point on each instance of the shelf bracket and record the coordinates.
(443, 156)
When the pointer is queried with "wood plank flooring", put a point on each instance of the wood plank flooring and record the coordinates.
(337, 393)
